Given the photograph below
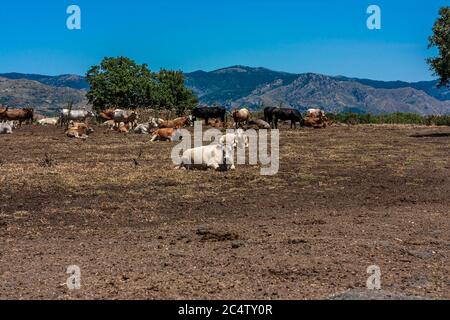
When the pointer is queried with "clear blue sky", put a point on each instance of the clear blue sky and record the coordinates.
(323, 36)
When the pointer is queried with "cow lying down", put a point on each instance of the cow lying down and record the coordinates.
(238, 139)
(6, 127)
(166, 134)
(214, 156)
(79, 131)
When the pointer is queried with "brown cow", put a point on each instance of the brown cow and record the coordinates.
(216, 123)
(79, 131)
(107, 114)
(20, 115)
(316, 123)
(177, 123)
(241, 116)
(3, 113)
(125, 128)
(165, 134)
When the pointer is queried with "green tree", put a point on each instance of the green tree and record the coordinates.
(174, 94)
(441, 40)
(119, 82)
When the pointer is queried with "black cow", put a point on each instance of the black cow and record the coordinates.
(286, 114)
(268, 114)
(207, 113)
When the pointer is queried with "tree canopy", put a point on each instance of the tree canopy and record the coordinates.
(441, 40)
(122, 83)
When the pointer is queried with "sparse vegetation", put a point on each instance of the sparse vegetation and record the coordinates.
(393, 118)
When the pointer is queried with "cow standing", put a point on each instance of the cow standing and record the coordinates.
(207, 113)
(268, 114)
(126, 117)
(20, 115)
(286, 114)
(74, 115)
(241, 116)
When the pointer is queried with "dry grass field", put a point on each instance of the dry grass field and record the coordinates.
(345, 198)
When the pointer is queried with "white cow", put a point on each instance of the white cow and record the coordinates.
(48, 122)
(155, 122)
(125, 117)
(75, 115)
(315, 113)
(6, 127)
(238, 139)
(215, 156)
(145, 128)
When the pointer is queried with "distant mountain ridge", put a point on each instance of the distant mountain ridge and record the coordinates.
(44, 98)
(65, 80)
(239, 86)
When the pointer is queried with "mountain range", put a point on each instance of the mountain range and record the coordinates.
(254, 88)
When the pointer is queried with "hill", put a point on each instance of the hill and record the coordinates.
(239, 86)
(44, 98)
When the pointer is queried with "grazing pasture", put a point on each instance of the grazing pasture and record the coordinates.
(345, 198)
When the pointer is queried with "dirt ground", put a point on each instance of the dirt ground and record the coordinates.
(345, 198)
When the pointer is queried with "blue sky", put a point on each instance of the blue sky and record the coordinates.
(323, 36)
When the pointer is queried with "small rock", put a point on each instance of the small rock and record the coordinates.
(237, 244)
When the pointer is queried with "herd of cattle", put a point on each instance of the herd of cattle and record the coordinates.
(213, 156)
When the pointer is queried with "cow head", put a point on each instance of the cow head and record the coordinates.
(228, 156)
(242, 140)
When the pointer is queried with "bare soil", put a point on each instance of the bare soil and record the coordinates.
(345, 198)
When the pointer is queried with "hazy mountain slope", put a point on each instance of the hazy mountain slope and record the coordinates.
(312, 90)
(430, 87)
(45, 99)
(66, 80)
